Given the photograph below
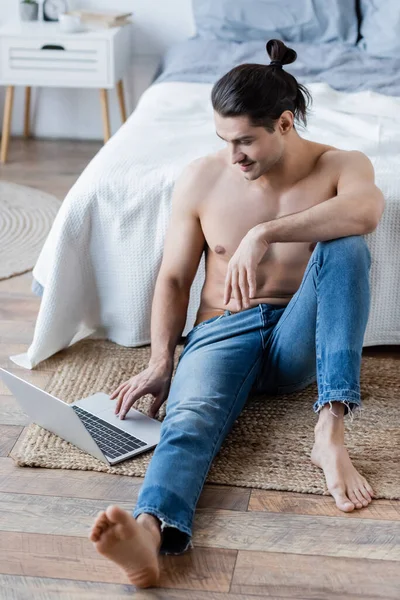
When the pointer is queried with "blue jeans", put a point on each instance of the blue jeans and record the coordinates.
(267, 349)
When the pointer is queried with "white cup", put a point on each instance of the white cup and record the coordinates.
(70, 23)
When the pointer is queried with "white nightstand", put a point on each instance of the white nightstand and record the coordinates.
(40, 54)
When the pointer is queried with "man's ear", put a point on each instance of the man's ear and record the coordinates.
(286, 122)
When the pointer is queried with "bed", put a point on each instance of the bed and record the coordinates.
(98, 267)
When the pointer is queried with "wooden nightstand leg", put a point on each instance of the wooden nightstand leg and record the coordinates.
(105, 113)
(5, 138)
(121, 99)
(27, 123)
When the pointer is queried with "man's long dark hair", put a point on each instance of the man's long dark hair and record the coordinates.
(262, 92)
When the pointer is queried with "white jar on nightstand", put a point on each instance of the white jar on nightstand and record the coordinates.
(40, 54)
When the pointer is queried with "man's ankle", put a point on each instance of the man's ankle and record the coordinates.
(331, 419)
(152, 524)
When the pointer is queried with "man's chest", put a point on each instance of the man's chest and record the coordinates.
(227, 215)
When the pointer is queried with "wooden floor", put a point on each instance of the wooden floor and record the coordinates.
(248, 543)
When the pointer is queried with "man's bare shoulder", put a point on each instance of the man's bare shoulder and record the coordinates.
(334, 162)
(335, 159)
(196, 180)
(206, 168)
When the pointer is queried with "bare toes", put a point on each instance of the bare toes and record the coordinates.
(369, 488)
(354, 499)
(365, 493)
(95, 534)
(360, 497)
(342, 501)
(101, 518)
(117, 515)
(100, 525)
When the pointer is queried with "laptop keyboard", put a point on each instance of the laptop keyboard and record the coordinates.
(113, 442)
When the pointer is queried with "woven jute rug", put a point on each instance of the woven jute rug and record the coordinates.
(269, 445)
(26, 216)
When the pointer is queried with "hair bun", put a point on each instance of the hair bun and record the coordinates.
(279, 53)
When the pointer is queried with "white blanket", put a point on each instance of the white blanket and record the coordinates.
(100, 261)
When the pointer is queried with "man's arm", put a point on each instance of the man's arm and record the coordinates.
(355, 210)
(183, 248)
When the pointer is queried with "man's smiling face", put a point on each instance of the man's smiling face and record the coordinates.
(253, 149)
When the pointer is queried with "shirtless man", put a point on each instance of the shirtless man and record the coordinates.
(281, 220)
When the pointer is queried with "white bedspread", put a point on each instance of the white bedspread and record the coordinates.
(100, 261)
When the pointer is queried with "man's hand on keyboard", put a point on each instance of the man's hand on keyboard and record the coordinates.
(154, 380)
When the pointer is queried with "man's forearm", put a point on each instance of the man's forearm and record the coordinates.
(168, 318)
(332, 219)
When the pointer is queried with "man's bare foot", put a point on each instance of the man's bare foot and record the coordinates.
(131, 544)
(349, 489)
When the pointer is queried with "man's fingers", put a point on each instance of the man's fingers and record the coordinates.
(243, 287)
(251, 278)
(155, 407)
(121, 396)
(228, 288)
(130, 399)
(122, 391)
(236, 289)
(116, 392)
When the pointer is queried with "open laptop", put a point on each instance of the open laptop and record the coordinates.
(90, 423)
